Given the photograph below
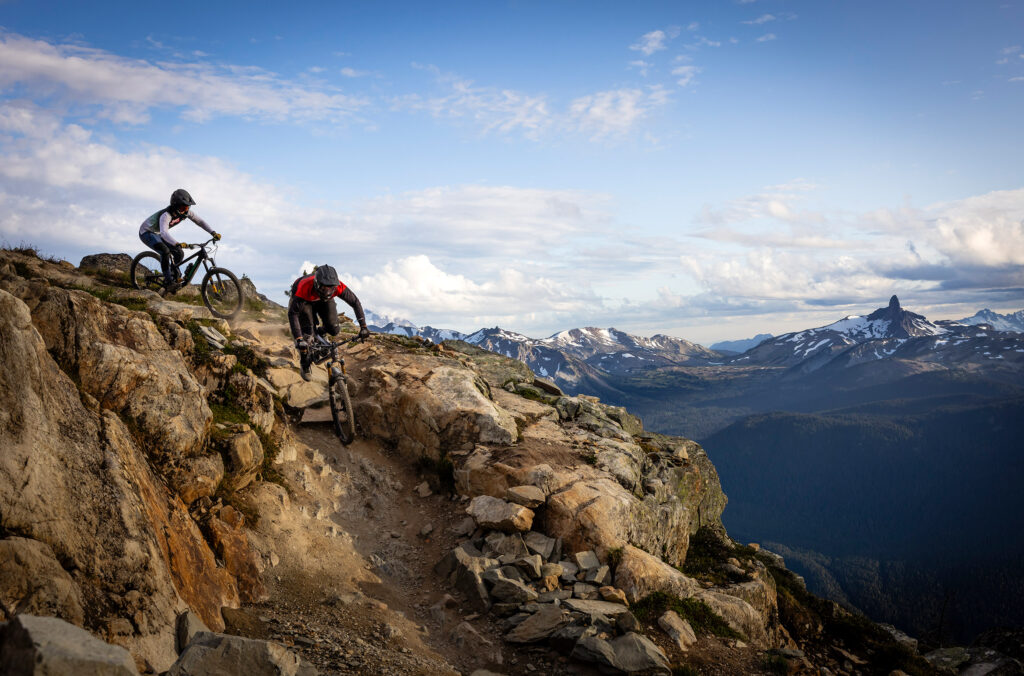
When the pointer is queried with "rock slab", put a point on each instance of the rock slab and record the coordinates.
(47, 645)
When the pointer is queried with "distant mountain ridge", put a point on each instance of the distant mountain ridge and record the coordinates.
(740, 346)
(887, 333)
(1008, 322)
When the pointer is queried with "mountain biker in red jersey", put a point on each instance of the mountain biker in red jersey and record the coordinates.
(154, 233)
(312, 297)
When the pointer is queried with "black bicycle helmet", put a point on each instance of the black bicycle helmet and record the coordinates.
(326, 280)
(181, 198)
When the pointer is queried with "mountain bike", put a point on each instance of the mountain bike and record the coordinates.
(220, 289)
(320, 350)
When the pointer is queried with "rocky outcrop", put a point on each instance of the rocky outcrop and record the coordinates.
(74, 479)
(120, 358)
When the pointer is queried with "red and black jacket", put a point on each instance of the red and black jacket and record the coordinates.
(303, 294)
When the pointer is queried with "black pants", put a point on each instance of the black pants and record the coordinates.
(302, 315)
(167, 253)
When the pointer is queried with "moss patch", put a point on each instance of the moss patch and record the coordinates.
(248, 358)
(707, 551)
(700, 616)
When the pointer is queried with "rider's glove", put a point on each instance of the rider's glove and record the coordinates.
(182, 245)
(216, 237)
(364, 333)
(301, 344)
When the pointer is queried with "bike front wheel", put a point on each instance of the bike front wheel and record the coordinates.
(222, 293)
(341, 409)
(146, 272)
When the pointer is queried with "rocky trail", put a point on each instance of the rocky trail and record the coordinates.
(170, 488)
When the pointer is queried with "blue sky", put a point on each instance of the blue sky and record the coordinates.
(709, 170)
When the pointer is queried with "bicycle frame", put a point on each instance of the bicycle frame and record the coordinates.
(204, 258)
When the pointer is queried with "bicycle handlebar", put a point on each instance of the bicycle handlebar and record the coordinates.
(197, 246)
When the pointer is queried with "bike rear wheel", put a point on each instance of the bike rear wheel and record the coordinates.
(146, 272)
(222, 293)
(341, 409)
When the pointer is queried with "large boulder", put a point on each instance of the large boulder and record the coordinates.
(428, 407)
(32, 645)
(739, 615)
(496, 514)
(210, 653)
(111, 266)
(639, 574)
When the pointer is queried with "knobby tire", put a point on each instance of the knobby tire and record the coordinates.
(141, 275)
(341, 410)
(222, 293)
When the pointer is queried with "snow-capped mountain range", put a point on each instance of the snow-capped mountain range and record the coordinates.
(590, 354)
(570, 355)
(889, 332)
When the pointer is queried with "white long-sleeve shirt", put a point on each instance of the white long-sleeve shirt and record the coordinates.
(165, 219)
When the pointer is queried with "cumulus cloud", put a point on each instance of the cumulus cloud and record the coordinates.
(126, 90)
(762, 248)
(414, 285)
(764, 18)
(767, 37)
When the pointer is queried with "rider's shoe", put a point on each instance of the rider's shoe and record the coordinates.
(304, 369)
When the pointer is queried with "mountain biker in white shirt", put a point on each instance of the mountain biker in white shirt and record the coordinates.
(154, 233)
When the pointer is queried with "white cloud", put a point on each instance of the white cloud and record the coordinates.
(493, 109)
(686, 75)
(641, 65)
(766, 37)
(415, 286)
(613, 113)
(764, 18)
(650, 42)
(352, 72)
(766, 274)
(777, 202)
(125, 90)
(763, 248)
